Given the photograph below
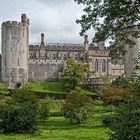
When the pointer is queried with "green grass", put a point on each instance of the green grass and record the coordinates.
(48, 87)
(54, 87)
(57, 128)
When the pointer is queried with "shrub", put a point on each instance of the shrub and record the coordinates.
(47, 105)
(126, 121)
(43, 109)
(18, 85)
(115, 94)
(107, 120)
(121, 82)
(78, 108)
(4, 90)
(18, 113)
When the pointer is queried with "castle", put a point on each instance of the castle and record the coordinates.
(23, 62)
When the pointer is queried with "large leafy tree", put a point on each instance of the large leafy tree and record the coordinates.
(113, 20)
(75, 74)
(125, 123)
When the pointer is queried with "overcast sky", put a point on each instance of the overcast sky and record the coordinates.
(55, 18)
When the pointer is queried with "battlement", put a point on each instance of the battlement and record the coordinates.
(45, 61)
(11, 23)
(58, 46)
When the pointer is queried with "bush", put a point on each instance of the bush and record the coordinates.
(78, 108)
(115, 95)
(18, 85)
(126, 121)
(18, 113)
(43, 109)
(107, 120)
(4, 90)
(47, 105)
(121, 82)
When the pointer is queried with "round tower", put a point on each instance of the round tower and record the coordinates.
(15, 51)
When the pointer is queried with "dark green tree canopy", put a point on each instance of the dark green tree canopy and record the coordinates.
(111, 19)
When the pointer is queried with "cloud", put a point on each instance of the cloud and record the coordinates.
(54, 2)
(56, 18)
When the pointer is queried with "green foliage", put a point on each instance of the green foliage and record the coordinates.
(58, 128)
(136, 77)
(137, 64)
(78, 108)
(48, 87)
(107, 120)
(126, 121)
(49, 107)
(18, 85)
(116, 20)
(121, 82)
(4, 89)
(115, 94)
(75, 74)
(43, 109)
(18, 114)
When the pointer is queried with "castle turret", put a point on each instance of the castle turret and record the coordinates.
(42, 39)
(15, 51)
(24, 19)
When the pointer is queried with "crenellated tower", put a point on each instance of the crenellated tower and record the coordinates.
(15, 42)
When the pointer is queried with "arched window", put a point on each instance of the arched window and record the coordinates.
(104, 66)
(96, 65)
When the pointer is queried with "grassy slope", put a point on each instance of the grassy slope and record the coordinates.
(49, 87)
(53, 87)
(57, 128)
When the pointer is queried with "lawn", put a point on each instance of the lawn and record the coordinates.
(48, 87)
(54, 87)
(57, 128)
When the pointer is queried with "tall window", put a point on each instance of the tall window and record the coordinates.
(96, 65)
(104, 66)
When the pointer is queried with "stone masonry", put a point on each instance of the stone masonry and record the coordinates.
(21, 62)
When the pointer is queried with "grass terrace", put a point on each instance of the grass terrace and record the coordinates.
(55, 87)
(57, 128)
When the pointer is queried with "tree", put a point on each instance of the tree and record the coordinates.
(75, 74)
(125, 123)
(18, 112)
(78, 108)
(112, 19)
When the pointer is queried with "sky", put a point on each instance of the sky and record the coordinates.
(55, 18)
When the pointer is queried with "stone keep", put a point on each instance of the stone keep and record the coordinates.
(15, 51)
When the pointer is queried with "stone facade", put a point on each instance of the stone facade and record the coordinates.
(22, 62)
(15, 51)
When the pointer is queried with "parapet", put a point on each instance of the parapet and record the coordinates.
(11, 23)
